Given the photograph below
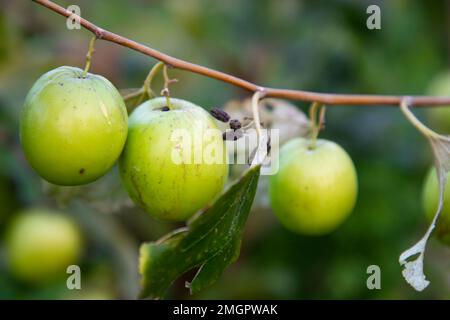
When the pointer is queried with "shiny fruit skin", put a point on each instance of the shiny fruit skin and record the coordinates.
(166, 190)
(430, 197)
(41, 244)
(315, 189)
(72, 129)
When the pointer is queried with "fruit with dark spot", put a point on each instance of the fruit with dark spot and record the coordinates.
(173, 163)
(315, 189)
(72, 128)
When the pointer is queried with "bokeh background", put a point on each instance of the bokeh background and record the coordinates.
(313, 45)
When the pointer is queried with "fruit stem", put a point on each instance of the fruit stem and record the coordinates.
(89, 56)
(148, 81)
(146, 89)
(316, 126)
(255, 99)
(261, 151)
(167, 82)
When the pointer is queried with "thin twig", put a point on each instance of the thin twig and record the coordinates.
(148, 81)
(325, 98)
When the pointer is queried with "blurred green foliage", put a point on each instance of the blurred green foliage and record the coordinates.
(314, 45)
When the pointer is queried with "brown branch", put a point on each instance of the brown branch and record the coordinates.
(325, 98)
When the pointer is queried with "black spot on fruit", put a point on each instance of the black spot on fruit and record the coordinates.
(81, 170)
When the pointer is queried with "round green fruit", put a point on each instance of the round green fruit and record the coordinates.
(72, 127)
(41, 244)
(315, 189)
(152, 166)
(430, 196)
(440, 117)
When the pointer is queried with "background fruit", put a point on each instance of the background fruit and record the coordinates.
(430, 203)
(440, 117)
(167, 190)
(314, 190)
(72, 129)
(41, 244)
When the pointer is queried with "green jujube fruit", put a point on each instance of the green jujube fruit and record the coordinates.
(41, 244)
(169, 189)
(439, 118)
(315, 189)
(73, 127)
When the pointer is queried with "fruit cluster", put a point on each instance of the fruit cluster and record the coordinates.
(74, 127)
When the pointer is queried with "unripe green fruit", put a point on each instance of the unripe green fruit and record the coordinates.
(72, 128)
(315, 189)
(440, 117)
(430, 203)
(41, 244)
(167, 189)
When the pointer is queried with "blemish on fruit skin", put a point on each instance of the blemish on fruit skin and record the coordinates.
(82, 170)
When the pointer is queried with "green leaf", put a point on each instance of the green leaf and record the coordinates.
(210, 242)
